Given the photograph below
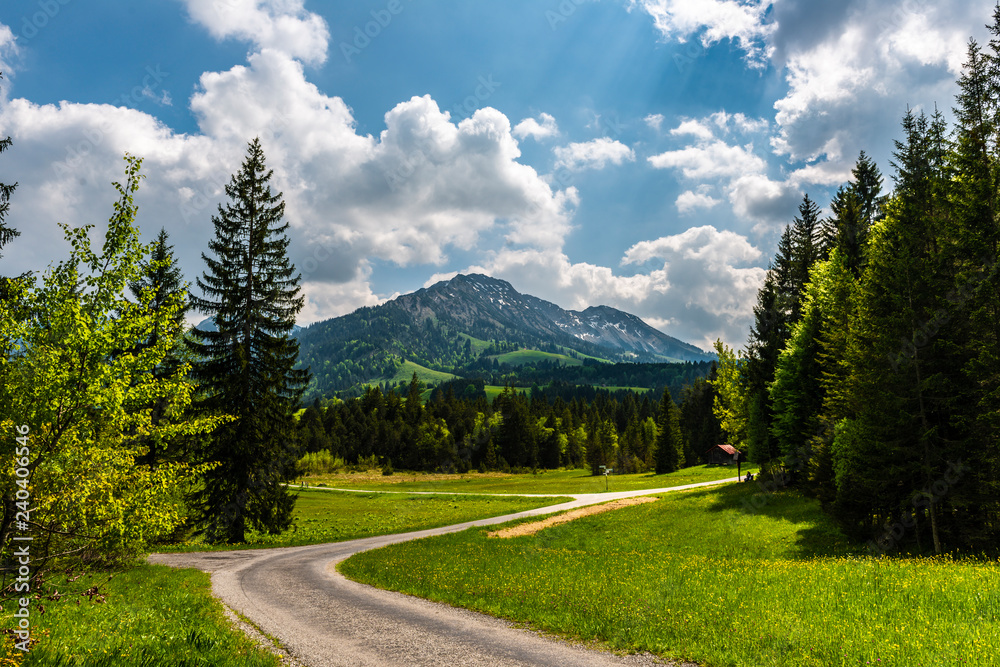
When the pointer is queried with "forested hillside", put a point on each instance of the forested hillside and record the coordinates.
(465, 326)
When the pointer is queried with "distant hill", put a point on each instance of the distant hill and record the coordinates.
(470, 323)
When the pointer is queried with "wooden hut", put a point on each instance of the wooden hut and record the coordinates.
(724, 455)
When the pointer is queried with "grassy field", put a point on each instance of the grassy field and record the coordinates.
(406, 370)
(333, 516)
(477, 345)
(581, 355)
(493, 390)
(148, 616)
(730, 577)
(547, 481)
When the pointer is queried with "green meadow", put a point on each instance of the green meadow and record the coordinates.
(544, 481)
(335, 516)
(426, 375)
(731, 576)
(522, 357)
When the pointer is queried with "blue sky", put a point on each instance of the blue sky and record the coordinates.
(643, 154)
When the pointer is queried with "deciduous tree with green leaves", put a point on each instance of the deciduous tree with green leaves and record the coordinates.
(730, 404)
(75, 378)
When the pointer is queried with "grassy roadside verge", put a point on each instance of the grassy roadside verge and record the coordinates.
(695, 576)
(155, 616)
(146, 616)
(548, 481)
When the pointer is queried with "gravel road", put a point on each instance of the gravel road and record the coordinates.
(324, 620)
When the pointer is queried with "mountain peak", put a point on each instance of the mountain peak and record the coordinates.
(494, 310)
(446, 328)
(473, 280)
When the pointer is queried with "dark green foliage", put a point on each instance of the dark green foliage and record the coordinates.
(517, 437)
(698, 422)
(901, 383)
(669, 440)
(796, 394)
(886, 400)
(455, 431)
(767, 337)
(778, 309)
(805, 250)
(161, 276)
(855, 207)
(246, 367)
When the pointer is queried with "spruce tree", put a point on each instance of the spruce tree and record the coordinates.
(669, 444)
(768, 334)
(160, 285)
(976, 339)
(698, 422)
(805, 242)
(246, 367)
(161, 275)
(856, 207)
(894, 446)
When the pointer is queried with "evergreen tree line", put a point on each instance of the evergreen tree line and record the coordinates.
(871, 376)
(457, 431)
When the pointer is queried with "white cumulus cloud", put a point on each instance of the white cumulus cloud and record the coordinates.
(8, 49)
(423, 187)
(595, 154)
(654, 120)
(694, 128)
(284, 25)
(710, 160)
(690, 201)
(543, 128)
(743, 22)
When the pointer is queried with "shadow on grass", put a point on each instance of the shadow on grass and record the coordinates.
(817, 535)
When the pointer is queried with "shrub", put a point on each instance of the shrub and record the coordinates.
(318, 463)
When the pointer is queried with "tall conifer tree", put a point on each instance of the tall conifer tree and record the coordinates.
(161, 275)
(160, 285)
(976, 201)
(246, 367)
(669, 441)
(895, 447)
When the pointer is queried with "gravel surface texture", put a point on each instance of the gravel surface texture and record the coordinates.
(323, 620)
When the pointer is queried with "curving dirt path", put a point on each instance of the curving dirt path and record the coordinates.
(323, 620)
